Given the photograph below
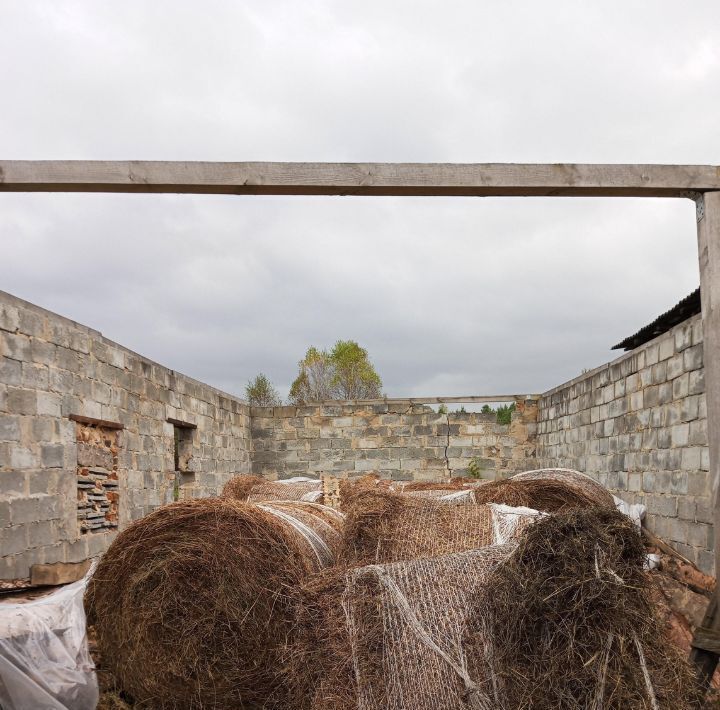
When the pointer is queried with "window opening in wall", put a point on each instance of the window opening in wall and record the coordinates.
(98, 485)
(183, 434)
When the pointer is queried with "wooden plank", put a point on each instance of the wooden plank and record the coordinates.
(707, 640)
(180, 423)
(709, 254)
(408, 401)
(95, 422)
(421, 179)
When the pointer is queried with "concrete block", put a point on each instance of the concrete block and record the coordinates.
(690, 408)
(696, 382)
(52, 455)
(691, 458)
(663, 505)
(14, 539)
(9, 427)
(680, 435)
(705, 460)
(680, 386)
(693, 358)
(706, 562)
(22, 457)
(34, 376)
(679, 530)
(15, 346)
(42, 533)
(651, 354)
(21, 401)
(665, 393)
(675, 366)
(683, 337)
(698, 484)
(698, 433)
(10, 371)
(678, 482)
(13, 483)
(666, 348)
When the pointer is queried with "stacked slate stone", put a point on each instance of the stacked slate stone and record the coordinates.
(97, 478)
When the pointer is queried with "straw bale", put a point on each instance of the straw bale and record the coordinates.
(569, 621)
(549, 495)
(452, 484)
(193, 603)
(254, 489)
(391, 636)
(382, 526)
(576, 480)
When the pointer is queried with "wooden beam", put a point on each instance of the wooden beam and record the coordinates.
(407, 401)
(420, 179)
(81, 419)
(708, 230)
(181, 424)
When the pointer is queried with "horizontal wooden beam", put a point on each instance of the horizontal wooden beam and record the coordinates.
(393, 179)
(81, 419)
(407, 401)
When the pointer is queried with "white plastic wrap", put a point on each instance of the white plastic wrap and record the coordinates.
(634, 511)
(44, 659)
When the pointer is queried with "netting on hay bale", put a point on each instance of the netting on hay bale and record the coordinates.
(382, 526)
(453, 484)
(573, 479)
(254, 489)
(193, 603)
(562, 620)
(392, 635)
(549, 493)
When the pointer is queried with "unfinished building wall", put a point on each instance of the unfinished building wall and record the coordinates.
(403, 442)
(93, 435)
(638, 425)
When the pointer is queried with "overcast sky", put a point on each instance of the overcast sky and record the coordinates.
(451, 296)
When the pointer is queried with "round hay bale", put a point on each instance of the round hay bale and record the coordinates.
(569, 621)
(193, 603)
(240, 487)
(253, 489)
(453, 484)
(544, 494)
(573, 479)
(382, 526)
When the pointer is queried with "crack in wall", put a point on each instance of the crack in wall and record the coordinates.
(447, 446)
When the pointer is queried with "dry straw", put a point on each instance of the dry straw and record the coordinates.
(193, 603)
(382, 526)
(573, 479)
(550, 493)
(568, 622)
(562, 620)
(254, 489)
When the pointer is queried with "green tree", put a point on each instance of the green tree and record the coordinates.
(504, 413)
(261, 393)
(345, 372)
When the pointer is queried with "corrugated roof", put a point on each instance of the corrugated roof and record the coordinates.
(688, 307)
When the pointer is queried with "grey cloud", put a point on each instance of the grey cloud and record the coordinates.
(450, 296)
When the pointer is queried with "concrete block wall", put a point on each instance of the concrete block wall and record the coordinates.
(51, 369)
(639, 425)
(399, 441)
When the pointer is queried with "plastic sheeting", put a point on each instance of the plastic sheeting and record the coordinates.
(634, 511)
(44, 659)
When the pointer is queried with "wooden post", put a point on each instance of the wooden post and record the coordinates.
(706, 643)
